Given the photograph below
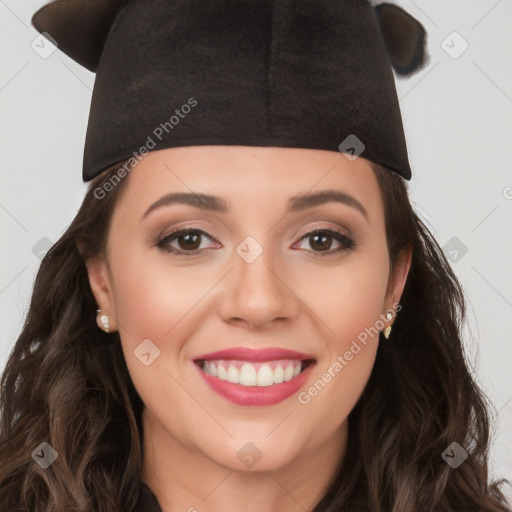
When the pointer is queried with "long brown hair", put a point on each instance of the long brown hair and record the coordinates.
(66, 383)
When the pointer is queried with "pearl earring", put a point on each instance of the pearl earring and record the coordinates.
(104, 320)
(387, 330)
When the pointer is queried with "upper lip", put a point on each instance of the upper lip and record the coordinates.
(255, 355)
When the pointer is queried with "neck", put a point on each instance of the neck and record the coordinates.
(184, 479)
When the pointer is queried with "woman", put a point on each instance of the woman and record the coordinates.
(199, 342)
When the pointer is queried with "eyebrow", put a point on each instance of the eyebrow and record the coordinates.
(296, 203)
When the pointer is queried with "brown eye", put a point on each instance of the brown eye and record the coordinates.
(188, 241)
(320, 241)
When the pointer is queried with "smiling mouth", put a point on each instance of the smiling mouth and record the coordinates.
(254, 374)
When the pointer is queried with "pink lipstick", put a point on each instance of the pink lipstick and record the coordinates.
(255, 377)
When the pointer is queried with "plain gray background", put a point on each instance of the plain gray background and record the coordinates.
(457, 115)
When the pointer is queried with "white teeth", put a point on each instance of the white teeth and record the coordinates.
(265, 376)
(279, 375)
(257, 374)
(221, 372)
(288, 373)
(247, 375)
(233, 375)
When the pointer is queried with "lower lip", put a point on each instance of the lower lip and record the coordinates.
(256, 395)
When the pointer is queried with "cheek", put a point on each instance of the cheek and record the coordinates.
(156, 301)
(153, 297)
(347, 302)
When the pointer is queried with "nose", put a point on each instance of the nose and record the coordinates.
(258, 294)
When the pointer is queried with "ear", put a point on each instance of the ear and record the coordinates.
(80, 27)
(398, 278)
(101, 286)
(404, 38)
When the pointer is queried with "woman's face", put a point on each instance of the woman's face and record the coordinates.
(254, 282)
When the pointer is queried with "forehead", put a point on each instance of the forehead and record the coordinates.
(246, 176)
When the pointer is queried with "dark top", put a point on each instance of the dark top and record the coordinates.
(147, 501)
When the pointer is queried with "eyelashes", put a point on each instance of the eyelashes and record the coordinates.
(318, 236)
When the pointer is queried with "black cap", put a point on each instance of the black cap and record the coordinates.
(312, 74)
